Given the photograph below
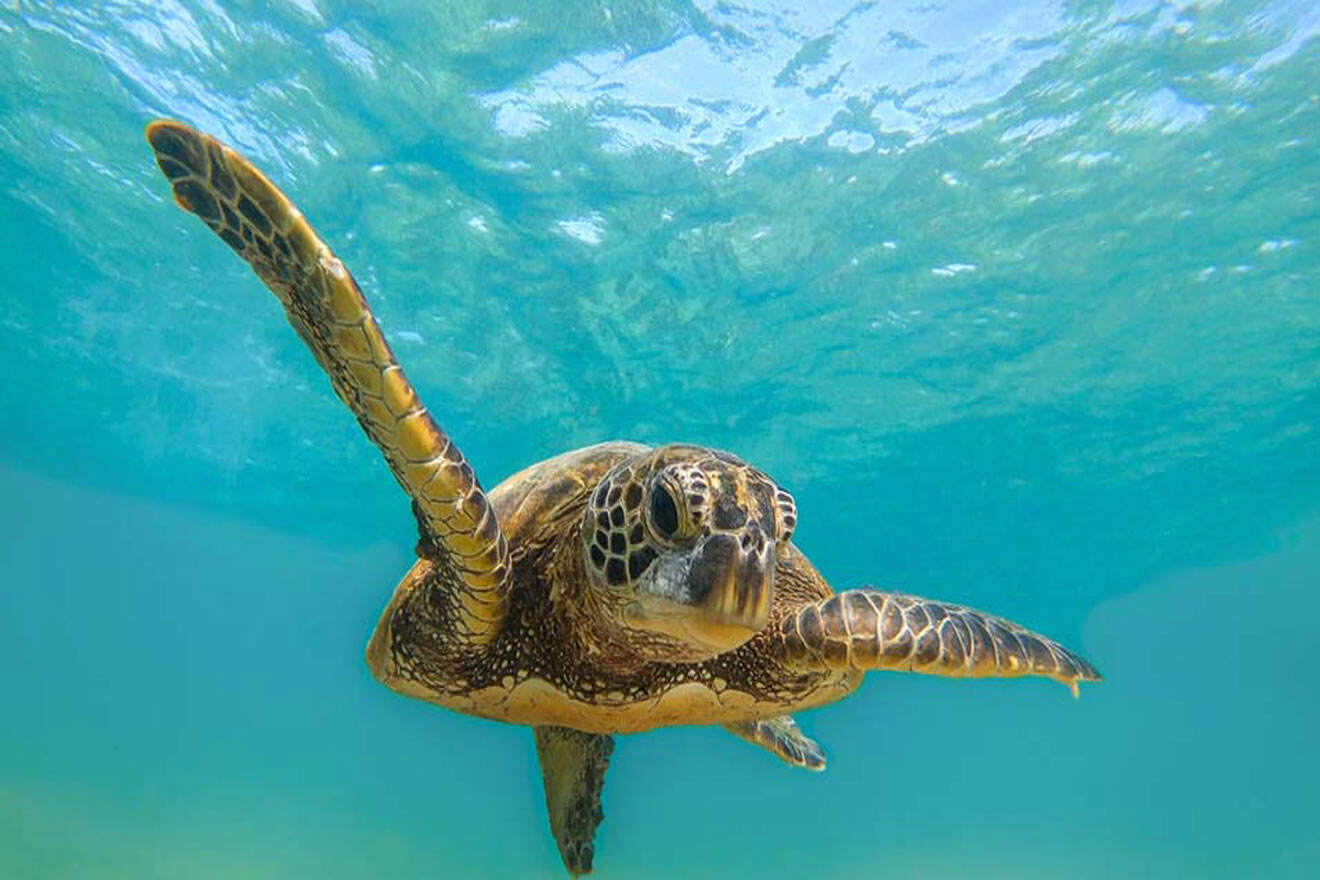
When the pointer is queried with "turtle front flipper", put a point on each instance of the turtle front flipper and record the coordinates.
(460, 532)
(782, 738)
(573, 766)
(869, 629)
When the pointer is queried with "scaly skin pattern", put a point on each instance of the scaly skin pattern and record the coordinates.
(869, 629)
(600, 591)
(553, 664)
(499, 616)
(323, 303)
(574, 765)
(721, 497)
(782, 738)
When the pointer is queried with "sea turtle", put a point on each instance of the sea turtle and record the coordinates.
(611, 589)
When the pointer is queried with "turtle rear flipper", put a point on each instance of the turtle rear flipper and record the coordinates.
(870, 629)
(781, 737)
(573, 766)
(325, 306)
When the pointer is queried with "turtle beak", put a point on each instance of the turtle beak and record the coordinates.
(720, 595)
(732, 586)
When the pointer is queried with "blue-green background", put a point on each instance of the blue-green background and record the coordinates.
(1020, 299)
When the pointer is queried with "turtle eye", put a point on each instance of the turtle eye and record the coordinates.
(664, 512)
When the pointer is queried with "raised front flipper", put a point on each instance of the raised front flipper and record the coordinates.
(782, 738)
(573, 766)
(868, 629)
(324, 305)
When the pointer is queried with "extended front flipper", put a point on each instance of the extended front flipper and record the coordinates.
(782, 738)
(573, 767)
(868, 629)
(459, 530)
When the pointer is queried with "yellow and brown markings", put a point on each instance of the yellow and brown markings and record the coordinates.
(535, 504)
(573, 766)
(615, 537)
(548, 666)
(868, 629)
(682, 541)
(678, 493)
(326, 308)
(668, 701)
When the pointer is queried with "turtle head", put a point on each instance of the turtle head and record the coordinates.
(681, 544)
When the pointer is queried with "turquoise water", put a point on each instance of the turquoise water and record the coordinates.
(1021, 300)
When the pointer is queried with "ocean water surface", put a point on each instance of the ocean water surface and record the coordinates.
(1021, 300)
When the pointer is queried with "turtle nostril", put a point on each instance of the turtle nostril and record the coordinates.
(753, 536)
